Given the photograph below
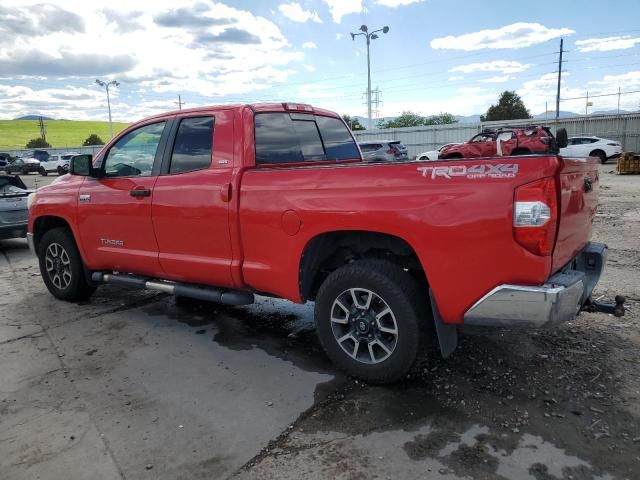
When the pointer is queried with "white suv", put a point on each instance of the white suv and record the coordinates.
(56, 163)
(592, 147)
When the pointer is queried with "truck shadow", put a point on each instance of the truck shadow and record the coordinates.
(517, 390)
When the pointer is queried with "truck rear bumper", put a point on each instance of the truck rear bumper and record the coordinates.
(558, 300)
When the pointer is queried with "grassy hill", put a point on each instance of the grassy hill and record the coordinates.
(15, 134)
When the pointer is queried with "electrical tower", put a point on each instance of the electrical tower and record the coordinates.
(374, 107)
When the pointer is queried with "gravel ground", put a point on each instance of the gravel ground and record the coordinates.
(133, 385)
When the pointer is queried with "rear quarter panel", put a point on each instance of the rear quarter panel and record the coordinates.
(460, 226)
(578, 207)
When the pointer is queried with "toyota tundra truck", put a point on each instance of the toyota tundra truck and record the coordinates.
(227, 202)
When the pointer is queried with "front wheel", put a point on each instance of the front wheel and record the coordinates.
(368, 318)
(61, 266)
(43, 172)
(61, 171)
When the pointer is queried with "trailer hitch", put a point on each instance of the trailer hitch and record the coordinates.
(616, 308)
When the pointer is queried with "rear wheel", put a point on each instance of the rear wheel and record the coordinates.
(61, 266)
(600, 154)
(43, 172)
(368, 316)
(61, 171)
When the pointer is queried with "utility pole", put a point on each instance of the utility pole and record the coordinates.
(369, 36)
(559, 80)
(43, 130)
(106, 87)
(618, 100)
(179, 102)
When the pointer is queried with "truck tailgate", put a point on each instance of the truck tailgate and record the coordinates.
(579, 185)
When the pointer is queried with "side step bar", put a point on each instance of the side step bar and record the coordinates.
(211, 294)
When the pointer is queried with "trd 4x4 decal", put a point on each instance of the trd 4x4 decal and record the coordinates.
(483, 170)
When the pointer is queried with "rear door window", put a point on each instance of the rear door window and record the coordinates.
(193, 145)
(294, 138)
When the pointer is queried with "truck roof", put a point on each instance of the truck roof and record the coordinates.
(256, 107)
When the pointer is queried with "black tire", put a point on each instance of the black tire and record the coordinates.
(600, 154)
(399, 292)
(61, 171)
(520, 151)
(452, 156)
(71, 284)
(43, 172)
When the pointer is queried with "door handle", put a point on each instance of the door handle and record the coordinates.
(225, 192)
(140, 192)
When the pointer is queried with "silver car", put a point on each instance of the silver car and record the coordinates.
(384, 151)
(14, 214)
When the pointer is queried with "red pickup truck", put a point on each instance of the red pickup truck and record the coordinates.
(221, 203)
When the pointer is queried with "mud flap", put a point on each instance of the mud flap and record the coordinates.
(447, 333)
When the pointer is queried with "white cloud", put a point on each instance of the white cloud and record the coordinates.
(516, 35)
(607, 44)
(626, 81)
(502, 66)
(396, 3)
(294, 11)
(206, 51)
(340, 8)
(339, 36)
(309, 45)
(456, 77)
(497, 79)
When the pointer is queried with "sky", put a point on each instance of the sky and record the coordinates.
(439, 55)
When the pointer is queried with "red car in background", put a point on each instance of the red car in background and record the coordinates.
(504, 142)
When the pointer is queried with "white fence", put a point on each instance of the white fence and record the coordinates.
(623, 128)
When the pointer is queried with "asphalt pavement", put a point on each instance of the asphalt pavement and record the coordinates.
(132, 385)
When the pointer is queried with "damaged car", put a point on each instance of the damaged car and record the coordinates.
(13, 207)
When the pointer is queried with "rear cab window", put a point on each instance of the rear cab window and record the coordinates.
(284, 137)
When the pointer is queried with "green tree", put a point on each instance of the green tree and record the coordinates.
(510, 107)
(353, 122)
(38, 143)
(440, 119)
(406, 119)
(412, 119)
(92, 139)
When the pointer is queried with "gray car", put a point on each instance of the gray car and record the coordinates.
(14, 214)
(384, 151)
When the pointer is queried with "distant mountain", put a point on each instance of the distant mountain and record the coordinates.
(468, 118)
(609, 112)
(552, 114)
(34, 117)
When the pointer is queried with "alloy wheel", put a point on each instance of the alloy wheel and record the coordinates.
(58, 265)
(364, 325)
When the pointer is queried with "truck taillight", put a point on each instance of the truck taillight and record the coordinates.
(535, 216)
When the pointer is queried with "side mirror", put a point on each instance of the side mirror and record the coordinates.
(81, 165)
(562, 139)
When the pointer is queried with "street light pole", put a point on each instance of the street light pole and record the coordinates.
(369, 36)
(106, 86)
